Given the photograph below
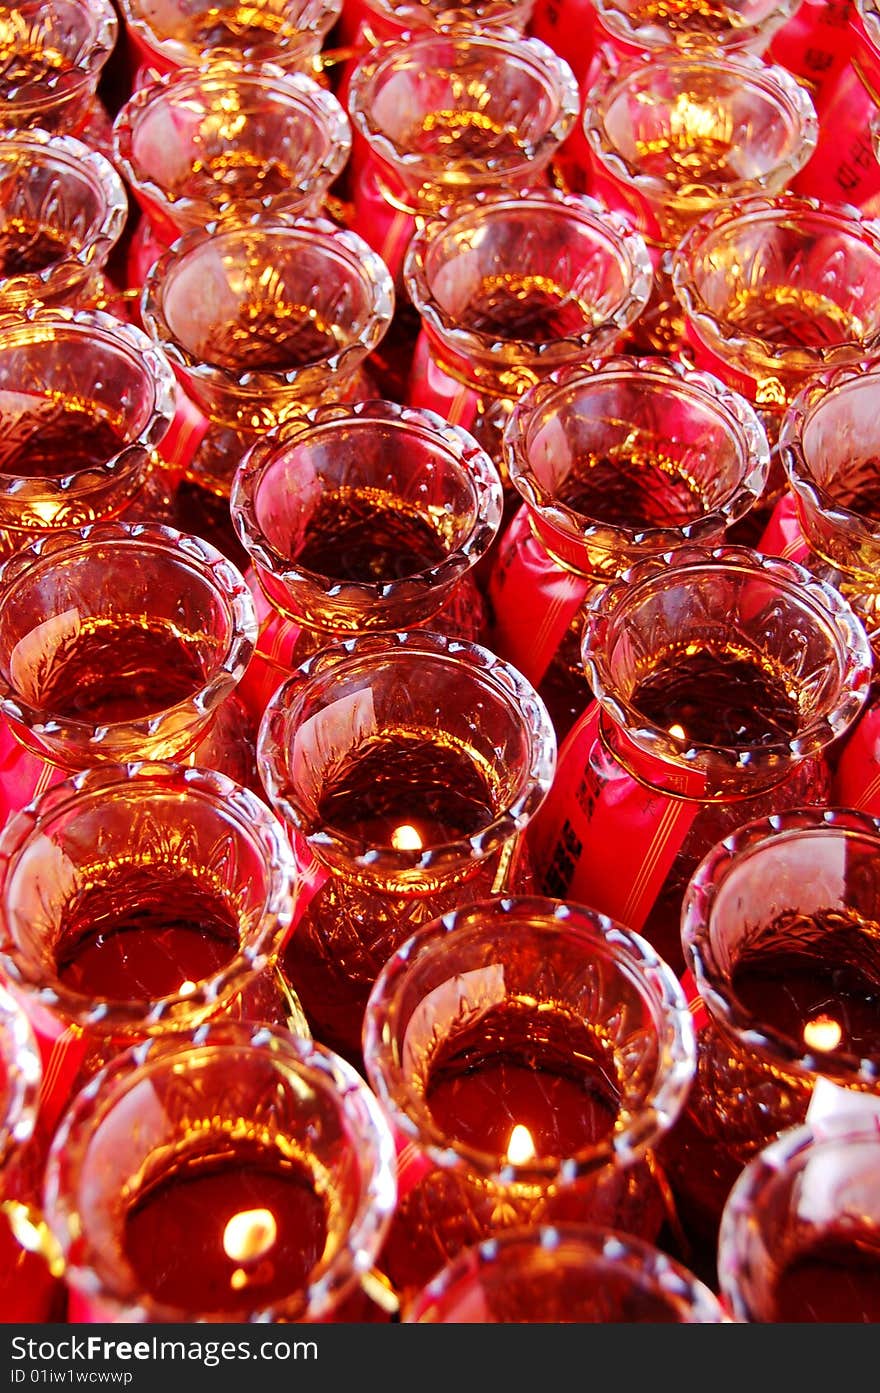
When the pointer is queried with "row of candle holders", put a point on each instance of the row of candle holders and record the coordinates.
(439, 550)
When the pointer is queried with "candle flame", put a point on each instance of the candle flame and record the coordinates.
(678, 732)
(249, 1235)
(187, 987)
(823, 1033)
(520, 1148)
(406, 838)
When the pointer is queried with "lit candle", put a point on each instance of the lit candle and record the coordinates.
(519, 1040)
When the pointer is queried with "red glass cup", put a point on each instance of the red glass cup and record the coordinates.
(777, 930)
(29, 1288)
(64, 212)
(529, 1054)
(87, 402)
(800, 1233)
(232, 1174)
(137, 900)
(52, 56)
(361, 518)
(574, 1273)
(121, 642)
(169, 34)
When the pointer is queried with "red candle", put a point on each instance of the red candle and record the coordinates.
(141, 936)
(408, 789)
(836, 1279)
(820, 987)
(216, 1231)
(522, 1085)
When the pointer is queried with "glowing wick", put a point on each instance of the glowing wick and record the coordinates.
(678, 732)
(520, 1148)
(823, 1033)
(406, 838)
(249, 1235)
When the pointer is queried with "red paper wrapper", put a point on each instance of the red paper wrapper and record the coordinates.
(569, 28)
(431, 387)
(387, 230)
(183, 438)
(533, 600)
(816, 44)
(273, 659)
(782, 535)
(856, 780)
(604, 839)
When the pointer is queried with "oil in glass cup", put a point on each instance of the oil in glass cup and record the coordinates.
(529, 1054)
(368, 518)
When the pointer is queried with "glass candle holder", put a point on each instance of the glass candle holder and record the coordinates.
(29, 1289)
(367, 518)
(446, 113)
(261, 320)
(829, 446)
(561, 1274)
(269, 1153)
(121, 642)
(137, 900)
(779, 929)
(800, 1230)
(510, 287)
(64, 209)
(777, 289)
(529, 1053)
(52, 56)
(168, 34)
(406, 767)
(721, 678)
(384, 18)
(614, 461)
(225, 141)
(673, 134)
(696, 25)
(85, 403)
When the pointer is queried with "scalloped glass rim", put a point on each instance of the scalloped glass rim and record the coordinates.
(547, 68)
(720, 334)
(685, 563)
(82, 325)
(747, 842)
(544, 918)
(302, 91)
(308, 1060)
(240, 807)
(576, 527)
(614, 230)
(293, 43)
(361, 259)
(462, 449)
(778, 86)
(199, 557)
(487, 670)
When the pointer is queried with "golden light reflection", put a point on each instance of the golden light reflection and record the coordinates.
(823, 1033)
(406, 838)
(520, 1148)
(249, 1235)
